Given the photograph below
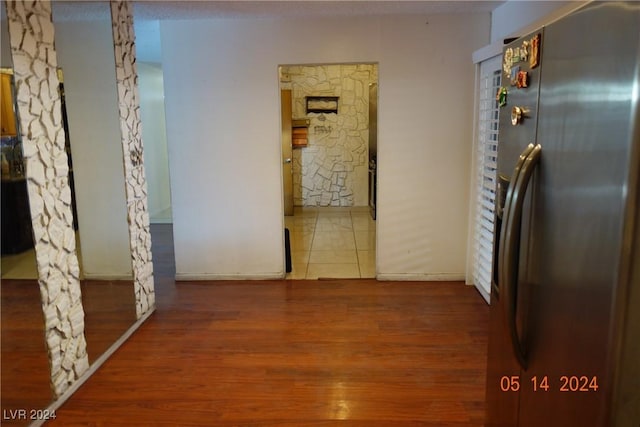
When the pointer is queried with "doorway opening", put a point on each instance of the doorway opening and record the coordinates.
(156, 149)
(329, 146)
(156, 162)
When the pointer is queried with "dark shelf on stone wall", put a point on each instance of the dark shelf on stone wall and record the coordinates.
(322, 104)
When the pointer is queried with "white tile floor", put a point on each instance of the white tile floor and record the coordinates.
(332, 243)
(325, 243)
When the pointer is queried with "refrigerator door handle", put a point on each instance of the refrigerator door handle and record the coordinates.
(509, 251)
(506, 213)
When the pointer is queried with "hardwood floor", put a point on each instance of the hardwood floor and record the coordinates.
(297, 353)
(294, 353)
(109, 312)
(25, 365)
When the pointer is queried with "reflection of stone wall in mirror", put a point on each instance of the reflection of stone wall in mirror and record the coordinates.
(133, 157)
(51, 191)
(38, 108)
(25, 380)
(109, 304)
(85, 48)
(107, 309)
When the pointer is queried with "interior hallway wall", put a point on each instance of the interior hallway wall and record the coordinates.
(223, 130)
(154, 135)
(333, 169)
(94, 131)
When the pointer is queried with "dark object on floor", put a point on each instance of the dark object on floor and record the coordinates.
(287, 251)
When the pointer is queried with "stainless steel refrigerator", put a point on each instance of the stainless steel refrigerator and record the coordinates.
(564, 344)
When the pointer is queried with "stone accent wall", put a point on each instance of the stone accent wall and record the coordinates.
(31, 36)
(131, 130)
(333, 169)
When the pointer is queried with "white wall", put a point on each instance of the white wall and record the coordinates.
(85, 53)
(223, 129)
(425, 130)
(156, 162)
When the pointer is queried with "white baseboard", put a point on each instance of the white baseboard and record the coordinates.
(421, 277)
(107, 276)
(222, 276)
(163, 216)
(161, 220)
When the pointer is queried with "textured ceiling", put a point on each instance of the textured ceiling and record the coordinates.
(166, 9)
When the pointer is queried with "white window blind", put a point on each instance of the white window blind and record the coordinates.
(485, 174)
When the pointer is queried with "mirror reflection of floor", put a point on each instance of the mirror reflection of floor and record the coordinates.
(109, 311)
(25, 381)
(25, 364)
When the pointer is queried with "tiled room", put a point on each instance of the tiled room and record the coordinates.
(332, 242)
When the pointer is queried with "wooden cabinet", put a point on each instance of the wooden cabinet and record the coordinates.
(300, 132)
(299, 137)
(8, 118)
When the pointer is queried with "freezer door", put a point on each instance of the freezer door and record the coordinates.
(503, 370)
(589, 61)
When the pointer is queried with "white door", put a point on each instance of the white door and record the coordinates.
(287, 151)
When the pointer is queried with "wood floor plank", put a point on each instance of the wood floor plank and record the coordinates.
(291, 354)
(25, 381)
(296, 353)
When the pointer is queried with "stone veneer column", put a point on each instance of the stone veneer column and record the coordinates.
(131, 130)
(31, 36)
